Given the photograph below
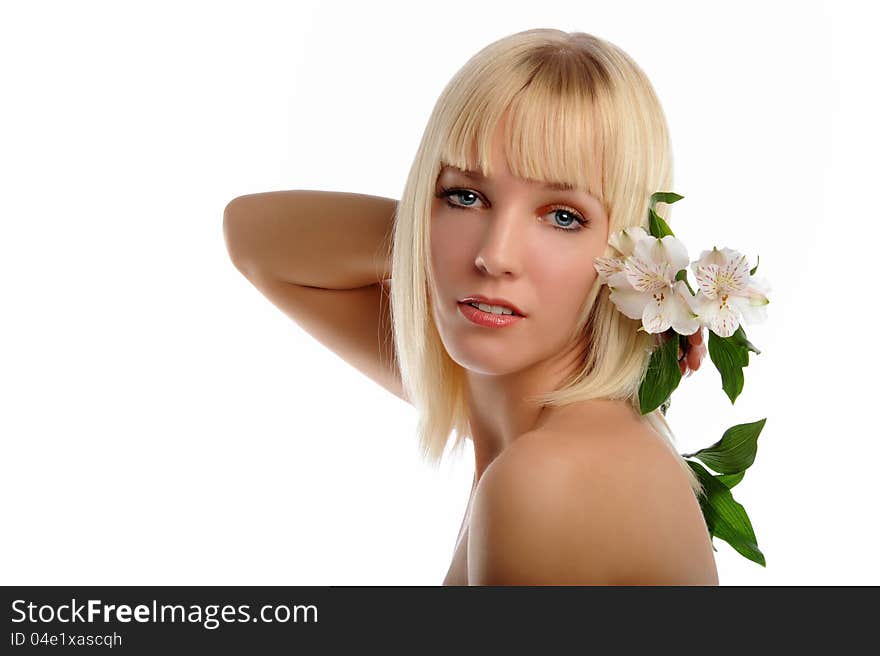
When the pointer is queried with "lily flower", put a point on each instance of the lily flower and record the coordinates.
(728, 292)
(643, 284)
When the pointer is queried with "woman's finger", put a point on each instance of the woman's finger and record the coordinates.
(696, 338)
(695, 356)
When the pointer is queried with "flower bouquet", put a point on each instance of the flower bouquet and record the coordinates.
(648, 282)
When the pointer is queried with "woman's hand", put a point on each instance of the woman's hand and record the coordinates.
(690, 360)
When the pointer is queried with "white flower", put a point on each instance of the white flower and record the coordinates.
(643, 284)
(625, 240)
(728, 292)
(610, 269)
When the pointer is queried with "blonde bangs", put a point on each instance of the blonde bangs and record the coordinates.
(554, 130)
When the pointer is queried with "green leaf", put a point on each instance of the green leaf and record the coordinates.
(729, 357)
(662, 376)
(740, 338)
(658, 227)
(667, 197)
(683, 275)
(752, 271)
(735, 451)
(730, 479)
(725, 517)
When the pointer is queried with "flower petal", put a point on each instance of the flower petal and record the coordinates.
(683, 310)
(752, 302)
(707, 279)
(734, 275)
(647, 268)
(675, 253)
(750, 313)
(645, 275)
(629, 301)
(657, 317)
(729, 254)
(648, 250)
(625, 240)
(619, 279)
(712, 257)
(716, 313)
(607, 267)
(758, 291)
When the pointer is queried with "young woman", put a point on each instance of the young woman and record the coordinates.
(494, 324)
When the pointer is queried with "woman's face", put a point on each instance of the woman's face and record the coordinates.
(509, 238)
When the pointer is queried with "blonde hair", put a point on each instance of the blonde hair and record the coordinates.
(581, 112)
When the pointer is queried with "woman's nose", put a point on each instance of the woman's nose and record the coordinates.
(499, 252)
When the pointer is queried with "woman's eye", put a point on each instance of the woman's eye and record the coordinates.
(574, 218)
(468, 198)
(448, 193)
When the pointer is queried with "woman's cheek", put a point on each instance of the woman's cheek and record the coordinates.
(450, 246)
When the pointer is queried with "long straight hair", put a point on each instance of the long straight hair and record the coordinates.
(577, 110)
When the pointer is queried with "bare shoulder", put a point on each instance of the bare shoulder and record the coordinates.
(588, 507)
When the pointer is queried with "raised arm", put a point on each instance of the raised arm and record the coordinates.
(324, 259)
(326, 239)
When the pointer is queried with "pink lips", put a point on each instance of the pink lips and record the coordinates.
(503, 302)
(488, 319)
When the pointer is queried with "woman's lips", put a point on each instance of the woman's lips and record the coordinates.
(487, 319)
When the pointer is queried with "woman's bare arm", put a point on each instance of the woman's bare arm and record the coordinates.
(324, 259)
(326, 239)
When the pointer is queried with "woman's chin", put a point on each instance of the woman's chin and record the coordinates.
(492, 362)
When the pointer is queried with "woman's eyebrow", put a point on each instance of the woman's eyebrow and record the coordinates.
(476, 175)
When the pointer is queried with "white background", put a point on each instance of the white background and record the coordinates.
(163, 423)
